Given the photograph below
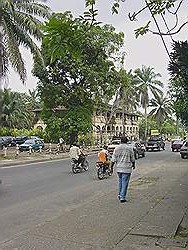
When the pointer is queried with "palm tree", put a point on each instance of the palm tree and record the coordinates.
(126, 95)
(161, 109)
(15, 112)
(147, 85)
(18, 25)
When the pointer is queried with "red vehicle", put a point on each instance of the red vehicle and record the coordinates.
(176, 145)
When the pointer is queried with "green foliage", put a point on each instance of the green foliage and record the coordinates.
(168, 127)
(19, 24)
(15, 110)
(86, 139)
(80, 72)
(4, 131)
(178, 68)
(161, 109)
(142, 30)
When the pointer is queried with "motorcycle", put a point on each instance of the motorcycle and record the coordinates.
(103, 170)
(79, 167)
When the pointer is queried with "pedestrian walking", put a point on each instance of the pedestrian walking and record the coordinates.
(61, 144)
(124, 160)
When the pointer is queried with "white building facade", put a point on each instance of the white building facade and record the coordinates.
(107, 126)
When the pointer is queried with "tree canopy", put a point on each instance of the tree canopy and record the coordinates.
(15, 110)
(178, 68)
(80, 69)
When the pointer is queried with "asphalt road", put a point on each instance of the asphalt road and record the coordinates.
(35, 193)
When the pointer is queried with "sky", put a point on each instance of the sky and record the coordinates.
(146, 50)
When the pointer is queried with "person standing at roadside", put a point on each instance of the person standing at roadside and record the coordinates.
(61, 143)
(124, 160)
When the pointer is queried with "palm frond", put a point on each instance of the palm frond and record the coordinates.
(13, 52)
(29, 24)
(24, 39)
(33, 8)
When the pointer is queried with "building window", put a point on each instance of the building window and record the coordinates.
(98, 128)
(108, 129)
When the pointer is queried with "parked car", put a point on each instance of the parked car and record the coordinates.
(6, 141)
(139, 150)
(1, 143)
(155, 143)
(36, 137)
(176, 145)
(33, 143)
(20, 139)
(184, 150)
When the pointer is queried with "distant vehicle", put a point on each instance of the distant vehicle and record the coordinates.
(20, 139)
(176, 145)
(184, 150)
(36, 137)
(6, 141)
(113, 145)
(143, 144)
(155, 143)
(139, 150)
(34, 144)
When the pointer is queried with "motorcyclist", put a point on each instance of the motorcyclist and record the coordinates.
(76, 153)
(103, 157)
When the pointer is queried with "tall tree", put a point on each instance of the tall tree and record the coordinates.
(80, 73)
(178, 69)
(127, 95)
(148, 85)
(20, 22)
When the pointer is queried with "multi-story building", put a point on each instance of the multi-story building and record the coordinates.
(107, 125)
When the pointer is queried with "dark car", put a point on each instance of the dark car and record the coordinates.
(1, 143)
(139, 150)
(176, 145)
(155, 143)
(34, 144)
(6, 141)
(20, 139)
(184, 150)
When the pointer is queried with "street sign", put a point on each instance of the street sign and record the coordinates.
(154, 132)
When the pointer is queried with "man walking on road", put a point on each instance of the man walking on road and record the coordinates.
(123, 158)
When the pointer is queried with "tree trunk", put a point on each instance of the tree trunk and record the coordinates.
(146, 123)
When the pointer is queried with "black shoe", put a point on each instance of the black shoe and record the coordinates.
(122, 201)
